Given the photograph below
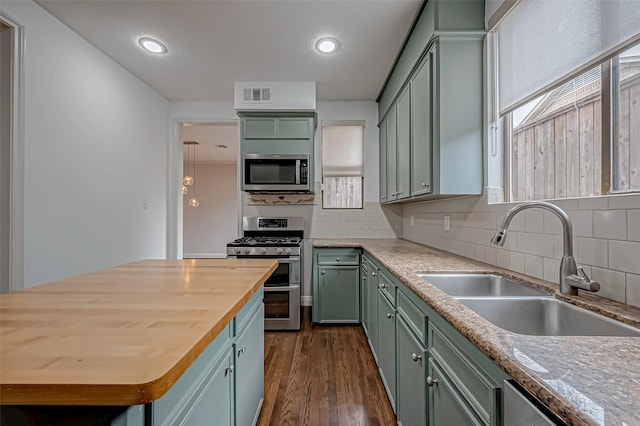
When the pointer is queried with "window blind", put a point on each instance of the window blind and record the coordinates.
(543, 42)
(342, 151)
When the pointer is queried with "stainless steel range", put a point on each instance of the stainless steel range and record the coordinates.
(276, 238)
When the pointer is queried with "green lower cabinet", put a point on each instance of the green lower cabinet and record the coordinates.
(338, 295)
(364, 295)
(387, 346)
(446, 407)
(411, 404)
(213, 404)
(372, 308)
(249, 370)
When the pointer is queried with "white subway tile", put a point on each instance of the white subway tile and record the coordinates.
(502, 258)
(479, 253)
(624, 256)
(633, 225)
(610, 224)
(551, 269)
(552, 224)
(516, 262)
(533, 221)
(612, 284)
(629, 201)
(539, 244)
(533, 266)
(633, 290)
(592, 252)
(593, 203)
(582, 222)
(490, 255)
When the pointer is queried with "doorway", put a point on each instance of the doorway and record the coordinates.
(210, 203)
(11, 158)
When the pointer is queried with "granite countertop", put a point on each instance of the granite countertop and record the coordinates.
(585, 380)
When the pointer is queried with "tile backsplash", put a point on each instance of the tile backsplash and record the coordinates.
(606, 237)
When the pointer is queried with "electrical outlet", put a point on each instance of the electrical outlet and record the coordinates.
(413, 221)
(447, 223)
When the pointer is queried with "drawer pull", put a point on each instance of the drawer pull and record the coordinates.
(373, 274)
(322, 272)
(389, 315)
(431, 382)
(337, 259)
(383, 285)
(416, 357)
(242, 350)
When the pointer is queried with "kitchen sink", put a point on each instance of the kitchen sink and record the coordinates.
(480, 285)
(545, 316)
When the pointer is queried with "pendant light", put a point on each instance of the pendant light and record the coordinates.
(190, 180)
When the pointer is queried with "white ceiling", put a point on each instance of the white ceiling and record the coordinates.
(213, 43)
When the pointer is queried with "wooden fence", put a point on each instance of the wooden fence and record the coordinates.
(560, 155)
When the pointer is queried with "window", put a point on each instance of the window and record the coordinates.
(560, 143)
(568, 93)
(342, 165)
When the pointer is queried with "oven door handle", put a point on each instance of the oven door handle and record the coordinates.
(289, 260)
(292, 287)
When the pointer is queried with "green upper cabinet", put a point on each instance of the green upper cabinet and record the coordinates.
(435, 91)
(392, 155)
(421, 128)
(383, 162)
(403, 147)
(277, 128)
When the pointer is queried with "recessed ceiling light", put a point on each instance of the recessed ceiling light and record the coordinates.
(327, 45)
(152, 45)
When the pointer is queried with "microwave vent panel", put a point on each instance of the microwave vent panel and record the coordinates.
(275, 96)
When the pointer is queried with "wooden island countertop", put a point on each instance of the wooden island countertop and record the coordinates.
(119, 336)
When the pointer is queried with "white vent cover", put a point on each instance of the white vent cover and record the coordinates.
(275, 95)
(257, 94)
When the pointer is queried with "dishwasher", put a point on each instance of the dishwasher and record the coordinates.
(523, 409)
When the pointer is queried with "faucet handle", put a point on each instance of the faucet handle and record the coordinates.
(583, 281)
(582, 273)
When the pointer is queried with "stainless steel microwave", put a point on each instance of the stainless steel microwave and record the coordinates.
(275, 172)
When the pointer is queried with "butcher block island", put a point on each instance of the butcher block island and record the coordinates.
(149, 342)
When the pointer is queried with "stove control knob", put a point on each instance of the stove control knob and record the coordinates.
(247, 250)
(263, 250)
(237, 251)
(279, 250)
(287, 251)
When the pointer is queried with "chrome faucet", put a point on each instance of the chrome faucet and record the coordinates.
(572, 277)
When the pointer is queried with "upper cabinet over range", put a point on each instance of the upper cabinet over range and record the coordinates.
(431, 107)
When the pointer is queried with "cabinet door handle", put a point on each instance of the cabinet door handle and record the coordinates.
(416, 357)
(242, 350)
(384, 198)
(322, 272)
(337, 259)
(383, 285)
(432, 382)
(373, 274)
(389, 315)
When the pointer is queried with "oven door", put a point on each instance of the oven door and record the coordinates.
(282, 308)
(287, 273)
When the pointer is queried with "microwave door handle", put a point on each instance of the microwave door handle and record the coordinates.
(297, 172)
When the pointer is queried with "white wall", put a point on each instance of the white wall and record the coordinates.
(209, 227)
(95, 155)
(5, 154)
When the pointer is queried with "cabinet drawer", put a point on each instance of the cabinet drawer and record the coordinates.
(387, 286)
(474, 386)
(338, 257)
(415, 317)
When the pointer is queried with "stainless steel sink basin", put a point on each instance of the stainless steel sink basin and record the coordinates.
(546, 316)
(480, 285)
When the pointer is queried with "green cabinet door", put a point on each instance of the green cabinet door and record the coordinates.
(403, 132)
(421, 128)
(249, 370)
(372, 308)
(387, 346)
(392, 185)
(446, 407)
(258, 128)
(214, 402)
(412, 389)
(338, 294)
(383, 162)
(295, 128)
(364, 295)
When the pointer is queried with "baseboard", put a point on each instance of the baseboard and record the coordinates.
(306, 301)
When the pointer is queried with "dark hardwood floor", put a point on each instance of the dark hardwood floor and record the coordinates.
(322, 375)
